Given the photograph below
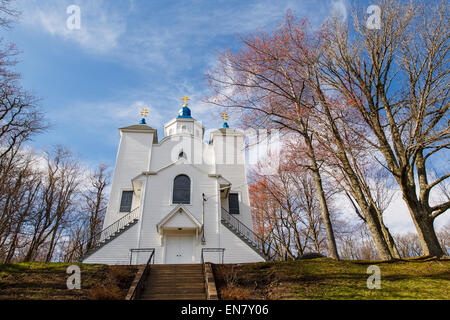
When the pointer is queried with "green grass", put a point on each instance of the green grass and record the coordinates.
(47, 281)
(329, 279)
(297, 280)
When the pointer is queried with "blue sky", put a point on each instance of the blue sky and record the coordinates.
(131, 54)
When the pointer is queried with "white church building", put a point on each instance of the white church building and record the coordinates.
(182, 196)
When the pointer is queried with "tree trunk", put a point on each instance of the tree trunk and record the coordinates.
(332, 248)
(390, 242)
(368, 209)
(377, 234)
(425, 228)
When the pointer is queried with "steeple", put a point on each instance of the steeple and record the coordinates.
(225, 119)
(185, 112)
(184, 123)
(144, 114)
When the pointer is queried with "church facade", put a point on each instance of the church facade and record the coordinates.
(182, 196)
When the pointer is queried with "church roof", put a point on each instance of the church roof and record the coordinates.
(141, 128)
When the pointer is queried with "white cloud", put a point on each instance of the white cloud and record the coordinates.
(339, 8)
(101, 24)
(172, 36)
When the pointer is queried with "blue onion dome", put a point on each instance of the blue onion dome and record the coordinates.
(185, 112)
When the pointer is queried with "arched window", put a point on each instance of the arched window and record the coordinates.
(182, 189)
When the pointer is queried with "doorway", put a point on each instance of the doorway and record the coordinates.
(179, 249)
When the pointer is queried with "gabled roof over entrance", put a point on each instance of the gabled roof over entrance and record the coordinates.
(178, 218)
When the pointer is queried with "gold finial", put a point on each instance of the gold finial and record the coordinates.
(224, 116)
(144, 112)
(185, 99)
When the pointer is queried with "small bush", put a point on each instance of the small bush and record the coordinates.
(230, 276)
(109, 292)
(122, 276)
(311, 255)
(236, 293)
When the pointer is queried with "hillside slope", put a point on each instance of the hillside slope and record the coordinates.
(47, 281)
(328, 279)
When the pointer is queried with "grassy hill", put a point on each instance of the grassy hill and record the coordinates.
(328, 279)
(303, 279)
(47, 281)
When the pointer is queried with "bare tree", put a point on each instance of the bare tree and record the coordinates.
(409, 245)
(396, 78)
(61, 180)
(264, 82)
(20, 183)
(19, 116)
(287, 211)
(8, 13)
(96, 201)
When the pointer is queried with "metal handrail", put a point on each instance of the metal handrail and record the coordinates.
(139, 286)
(142, 250)
(247, 233)
(222, 250)
(109, 231)
(119, 224)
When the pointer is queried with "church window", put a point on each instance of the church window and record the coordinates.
(181, 155)
(233, 203)
(182, 189)
(125, 202)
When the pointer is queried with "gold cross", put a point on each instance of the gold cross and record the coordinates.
(144, 112)
(224, 116)
(185, 99)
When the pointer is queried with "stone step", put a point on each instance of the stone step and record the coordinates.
(177, 291)
(175, 271)
(182, 265)
(196, 296)
(175, 274)
(172, 276)
(177, 268)
(155, 284)
(161, 284)
(175, 282)
(176, 279)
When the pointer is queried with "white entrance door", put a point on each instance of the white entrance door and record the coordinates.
(179, 249)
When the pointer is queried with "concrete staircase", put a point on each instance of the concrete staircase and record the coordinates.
(175, 282)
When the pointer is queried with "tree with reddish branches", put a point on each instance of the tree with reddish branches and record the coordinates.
(263, 82)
